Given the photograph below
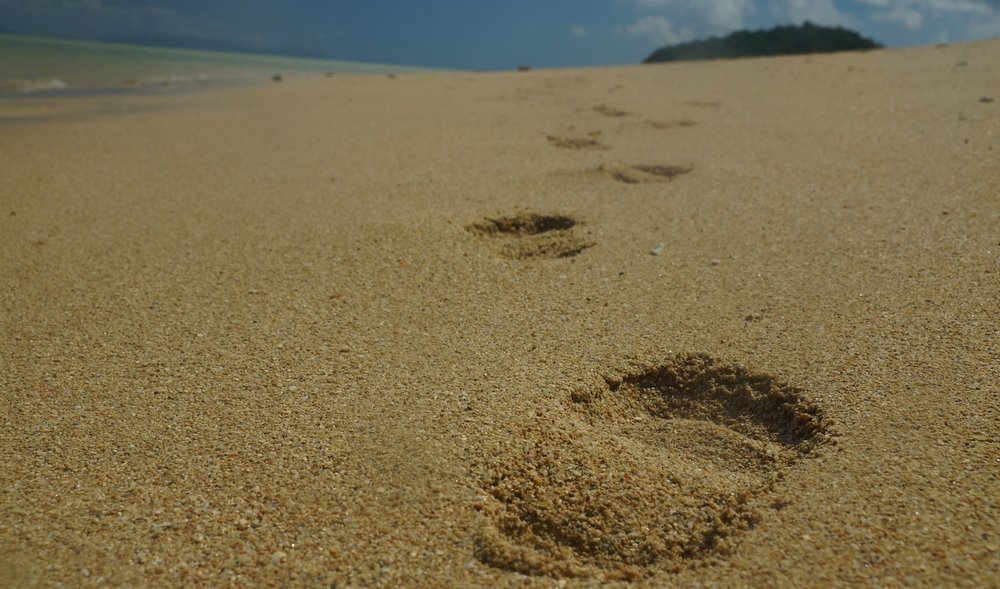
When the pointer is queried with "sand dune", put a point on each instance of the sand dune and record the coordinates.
(730, 323)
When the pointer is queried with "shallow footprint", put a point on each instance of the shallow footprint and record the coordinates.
(657, 472)
(575, 142)
(531, 235)
(643, 174)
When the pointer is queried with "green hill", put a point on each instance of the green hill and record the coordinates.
(785, 40)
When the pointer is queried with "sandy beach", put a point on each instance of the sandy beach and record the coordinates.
(728, 324)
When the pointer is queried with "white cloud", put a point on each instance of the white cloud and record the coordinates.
(675, 21)
(701, 18)
(905, 16)
(985, 28)
(979, 18)
(658, 29)
(939, 7)
(719, 14)
(822, 12)
(578, 31)
(956, 6)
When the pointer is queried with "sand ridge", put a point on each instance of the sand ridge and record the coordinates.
(409, 332)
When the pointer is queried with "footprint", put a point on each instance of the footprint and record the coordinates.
(655, 471)
(530, 235)
(575, 142)
(609, 111)
(643, 174)
(674, 124)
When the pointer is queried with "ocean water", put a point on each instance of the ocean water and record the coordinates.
(33, 65)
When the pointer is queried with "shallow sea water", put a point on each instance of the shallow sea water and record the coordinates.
(43, 66)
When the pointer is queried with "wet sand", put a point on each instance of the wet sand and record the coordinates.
(706, 324)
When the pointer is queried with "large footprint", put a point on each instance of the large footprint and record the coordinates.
(657, 471)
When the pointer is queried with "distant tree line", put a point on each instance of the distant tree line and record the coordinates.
(784, 40)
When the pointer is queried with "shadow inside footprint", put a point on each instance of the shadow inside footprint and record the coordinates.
(530, 235)
(659, 470)
(674, 124)
(575, 142)
(523, 224)
(609, 111)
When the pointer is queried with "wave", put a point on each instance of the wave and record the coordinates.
(45, 85)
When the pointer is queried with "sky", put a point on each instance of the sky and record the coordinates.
(487, 34)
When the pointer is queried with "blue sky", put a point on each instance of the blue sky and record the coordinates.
(485, 34)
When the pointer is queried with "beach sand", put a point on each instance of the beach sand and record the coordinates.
(725, 324)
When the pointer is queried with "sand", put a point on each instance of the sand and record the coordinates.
(726, 324)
